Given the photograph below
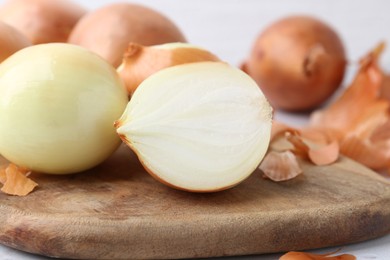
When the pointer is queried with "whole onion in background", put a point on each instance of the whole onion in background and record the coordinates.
(108, 30)
(11, 40)
(42, 21)
(298, 62)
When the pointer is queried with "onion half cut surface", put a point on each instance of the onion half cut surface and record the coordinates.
(199, 127)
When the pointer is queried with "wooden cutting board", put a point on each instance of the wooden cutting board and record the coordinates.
(118, 211)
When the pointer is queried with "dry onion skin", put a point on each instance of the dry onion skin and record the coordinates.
(287, 144)
(280, 166)
(298, 62)
(293, 255)
(42, 21)
(140, 61)
(385, 90)
(58, 103)
(108, 30)
(199, 127)
(15, 181)
(360, 116)
(325, 155)
(11, 40)
(361, 134)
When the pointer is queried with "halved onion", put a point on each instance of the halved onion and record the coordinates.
(200, 127)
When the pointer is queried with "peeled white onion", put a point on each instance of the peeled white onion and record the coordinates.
(200, 127)
(58, 103)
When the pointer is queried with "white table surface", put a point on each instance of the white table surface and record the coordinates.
(228, 28)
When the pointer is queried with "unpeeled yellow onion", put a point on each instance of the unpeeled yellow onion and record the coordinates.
(108, 30)
(42, 21)
(298, 62)
(11, 40)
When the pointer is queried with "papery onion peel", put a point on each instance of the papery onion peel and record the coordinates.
(293, 255)
(280, 166)
(281, 163)
(15, 181)
(325, 155)
(316, 153)
(360, 116)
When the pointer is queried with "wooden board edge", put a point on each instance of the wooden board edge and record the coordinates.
(231, 234)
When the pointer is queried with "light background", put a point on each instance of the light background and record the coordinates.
(229, 27)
